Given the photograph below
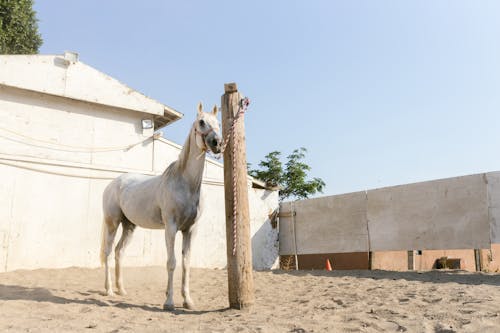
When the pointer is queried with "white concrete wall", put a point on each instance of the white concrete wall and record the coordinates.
(62, 129)
(332, 224)
(51, 214)
(46, 174)
(441, 214)
(493, 181)
(453, 213)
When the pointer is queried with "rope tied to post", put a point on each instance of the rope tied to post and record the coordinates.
(242, 108)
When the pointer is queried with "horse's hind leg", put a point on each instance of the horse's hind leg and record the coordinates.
(127, 231)
(170, 231)
(110, 225)
(186, 255)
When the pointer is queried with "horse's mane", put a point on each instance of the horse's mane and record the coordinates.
(181, 162)
(177, 167)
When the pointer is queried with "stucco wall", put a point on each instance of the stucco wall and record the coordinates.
(449, 213)
(426, 260)
(490, 259)
(453, 213)
(62, 129)
(333, 224)
(390, 260)
(51, 192)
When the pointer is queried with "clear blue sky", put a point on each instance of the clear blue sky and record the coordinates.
(380, 92)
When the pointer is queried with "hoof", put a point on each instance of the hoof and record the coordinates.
(168, 307)
(188, 305)
(122, 292)
(109, 293)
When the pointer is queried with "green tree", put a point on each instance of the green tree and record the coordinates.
(291, 179)
(18, 27)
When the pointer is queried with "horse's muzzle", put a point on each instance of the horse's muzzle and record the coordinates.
(214, 142)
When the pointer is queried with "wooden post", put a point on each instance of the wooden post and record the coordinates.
(239, 264)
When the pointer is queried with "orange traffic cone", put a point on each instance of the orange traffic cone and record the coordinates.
(328, 266)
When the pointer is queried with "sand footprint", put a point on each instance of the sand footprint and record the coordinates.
(432, 301)
(339, 302)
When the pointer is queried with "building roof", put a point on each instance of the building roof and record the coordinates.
(66, 76)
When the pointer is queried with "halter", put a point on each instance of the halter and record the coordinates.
(203, 137)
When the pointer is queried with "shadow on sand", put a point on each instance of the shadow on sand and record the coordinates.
(37, 294)
(436, 276)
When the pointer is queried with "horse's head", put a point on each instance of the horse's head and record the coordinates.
(207, 130)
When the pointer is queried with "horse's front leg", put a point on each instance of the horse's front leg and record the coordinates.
(186, 256)
(170, 231)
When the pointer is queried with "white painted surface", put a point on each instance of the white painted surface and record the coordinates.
(63, 129)
(265, 246)
(51, 192)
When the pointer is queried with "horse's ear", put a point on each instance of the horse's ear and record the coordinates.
(215, 110)
(200, 108)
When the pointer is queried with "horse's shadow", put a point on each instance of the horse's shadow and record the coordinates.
(38, 294)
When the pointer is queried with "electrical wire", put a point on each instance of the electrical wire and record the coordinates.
(70, 148)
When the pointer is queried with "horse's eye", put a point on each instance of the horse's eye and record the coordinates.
(202, 123)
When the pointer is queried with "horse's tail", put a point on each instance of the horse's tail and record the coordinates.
(112, 216)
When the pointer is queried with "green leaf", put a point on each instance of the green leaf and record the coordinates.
(292, 179)
(18, 28)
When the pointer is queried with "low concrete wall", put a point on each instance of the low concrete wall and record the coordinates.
(490, 259)
(447, 213)
(453, 213)
(390, 260)
(426, 260)
(333, 224)
(338, 261)
(397, 260)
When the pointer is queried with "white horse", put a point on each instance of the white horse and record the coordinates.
(169, 201)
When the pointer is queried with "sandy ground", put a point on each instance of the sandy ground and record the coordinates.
(318, 301)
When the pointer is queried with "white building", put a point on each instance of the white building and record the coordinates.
(66, 130)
